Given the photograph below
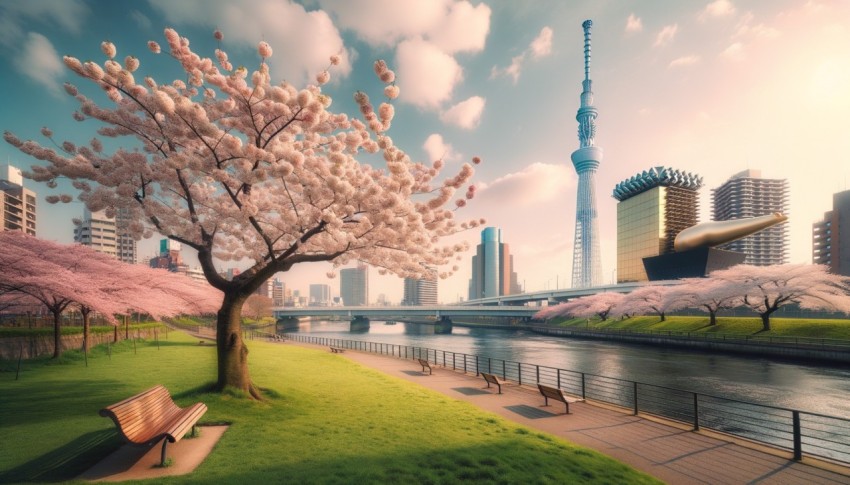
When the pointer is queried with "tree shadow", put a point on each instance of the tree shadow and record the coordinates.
(79, 397)
(67, 461)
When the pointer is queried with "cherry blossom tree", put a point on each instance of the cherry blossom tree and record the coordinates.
(643, 300)
(596, 305)
(238, 167)
(765, 289)
(708, 294)
(258, 306)
(60, 276)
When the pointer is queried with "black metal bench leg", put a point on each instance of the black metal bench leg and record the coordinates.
(162, 456)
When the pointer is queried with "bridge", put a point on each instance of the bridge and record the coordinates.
(360, 316)
(564, 294)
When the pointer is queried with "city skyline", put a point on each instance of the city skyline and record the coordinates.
(709, 87)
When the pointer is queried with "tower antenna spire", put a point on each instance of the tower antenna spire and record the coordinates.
(587, 268)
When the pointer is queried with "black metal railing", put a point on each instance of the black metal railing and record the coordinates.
(799, 432)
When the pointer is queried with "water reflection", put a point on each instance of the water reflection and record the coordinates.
(799, 386)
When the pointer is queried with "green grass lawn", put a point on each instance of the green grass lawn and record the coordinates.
(327, 420)
(72, 329)
(780, 327)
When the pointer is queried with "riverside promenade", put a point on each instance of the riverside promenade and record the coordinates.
(666, 450)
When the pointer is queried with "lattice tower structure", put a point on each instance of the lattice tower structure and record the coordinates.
(587, 266)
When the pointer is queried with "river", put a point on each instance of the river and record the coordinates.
(806, 387)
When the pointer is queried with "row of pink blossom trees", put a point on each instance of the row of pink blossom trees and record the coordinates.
(59, 277)
(238, 166)
(763, 289)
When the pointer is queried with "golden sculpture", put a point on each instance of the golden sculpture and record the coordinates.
(710, 234)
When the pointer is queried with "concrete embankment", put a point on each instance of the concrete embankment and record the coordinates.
(808, 350)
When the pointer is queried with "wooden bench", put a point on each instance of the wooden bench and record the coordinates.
(337, 350)
(493, 379)
(150, 416)
(424, 363)
(556, 394)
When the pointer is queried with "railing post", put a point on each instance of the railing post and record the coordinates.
(636, 398)
(489, 365)
(696, 412)
(519, 372)
(504, 370)
(558, 371)
(464, 363)
(583, 395)
(537, 368)
(798, 440)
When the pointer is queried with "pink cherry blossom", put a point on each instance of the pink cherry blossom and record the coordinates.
(217, 35)
(108, 48)
(391, 92)
(154, 47)
(131, 63)
(46, 132)
(335, 60)
(264, 49)
(323, 77)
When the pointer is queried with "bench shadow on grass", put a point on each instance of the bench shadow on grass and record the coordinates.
(67, 461)
(79, 397)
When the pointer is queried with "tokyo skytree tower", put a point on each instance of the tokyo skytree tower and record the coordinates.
(587, 268)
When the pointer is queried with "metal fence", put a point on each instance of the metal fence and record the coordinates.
(799, 432)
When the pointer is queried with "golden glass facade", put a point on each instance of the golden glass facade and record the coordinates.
(640, 232)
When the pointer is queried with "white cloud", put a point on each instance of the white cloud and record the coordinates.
(386, 22)
(718, 8)
(437, 149)
(541, 46)
(534, 184)
(69, 15)
(284, 25)
(734, 52)
(426, 75)
(633, 24)
(666, 35)
(141, 20)
(684, 61)
(466, 114)
(464, 29)
(39, 60)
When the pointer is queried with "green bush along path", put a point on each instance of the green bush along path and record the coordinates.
(325, 420)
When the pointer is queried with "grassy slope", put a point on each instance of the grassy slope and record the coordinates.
(73, 330)
(780, 327)
(328, 420)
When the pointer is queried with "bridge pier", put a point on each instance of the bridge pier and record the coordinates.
(359, 324)
(443, 326)
(286, 323)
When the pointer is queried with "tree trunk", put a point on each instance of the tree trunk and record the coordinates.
(86, 325)
(57, 334)
(663, 316)
(712, 317)
(765, 321)
(232, 351)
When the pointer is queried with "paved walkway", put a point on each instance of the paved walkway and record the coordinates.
(673, 454)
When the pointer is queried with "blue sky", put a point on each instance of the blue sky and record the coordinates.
(708, 87)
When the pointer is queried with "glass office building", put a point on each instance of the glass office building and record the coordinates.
(492, 267)
(654, 207)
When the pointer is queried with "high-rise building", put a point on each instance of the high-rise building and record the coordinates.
(97, 231)
(587, 266)
(492, 267)
(169, 257)
(17, 204)
(654, 207)
(278, 292)
(354, 286)
(420, 291)
(265, 289)
(320, 295)
(127, 250)
(747, 194)
(831, 236)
